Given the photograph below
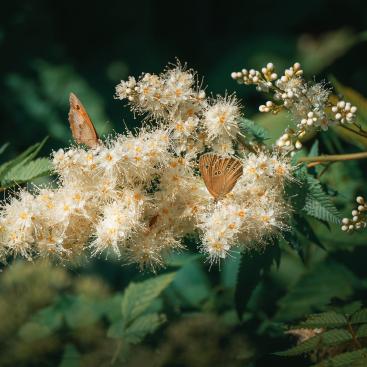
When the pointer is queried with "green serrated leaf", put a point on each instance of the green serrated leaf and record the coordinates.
(291, 237)
(251, 269)
(328, 338)
(318, 204)
(139, 296)
(306, 230)
(249, 127)
(143, 326)
(348, 359)
(329, 319)
(308, 196)
(362, 331)
(359, 317)
(22, 159)
(116, 329)
(27, 172)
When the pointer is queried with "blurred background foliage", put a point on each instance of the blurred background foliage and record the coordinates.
(57, 315)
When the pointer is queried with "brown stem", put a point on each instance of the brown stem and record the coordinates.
(360, 133)
(333, 158)
(354, 336)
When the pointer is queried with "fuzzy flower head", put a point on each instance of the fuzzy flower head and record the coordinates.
(221, 118)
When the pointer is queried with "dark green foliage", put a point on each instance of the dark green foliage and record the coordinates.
(253, 266)
(253, 131)
(136, 321)
(336, 335)
(24, 167)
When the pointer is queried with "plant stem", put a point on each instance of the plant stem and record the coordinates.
(360, 133)
(333, 158)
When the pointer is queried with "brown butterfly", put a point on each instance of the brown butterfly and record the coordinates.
(220, 173)
(81, 125)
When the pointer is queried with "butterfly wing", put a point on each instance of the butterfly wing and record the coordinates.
(226, 173)
(206, 163)
(220, 174)
(81, 125)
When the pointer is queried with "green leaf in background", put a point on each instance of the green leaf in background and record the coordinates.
(359, 317)
(143, 326)
(307, 195)
(71, 357)
(356, 358)
(139, 296)
(251, 270)
(4, 147)
(316, 54)
(330, 319)
(256, 132)
(10, 169)
(328, 338)
(27, 172)
(191, 286)
(315, 289)
(82, 312)
(304, 227)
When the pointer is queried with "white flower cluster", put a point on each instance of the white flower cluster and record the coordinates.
(139, 195)
(359, 217)
(307, 103)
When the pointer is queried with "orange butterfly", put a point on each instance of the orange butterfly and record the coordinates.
(81, 125)
(220, 173)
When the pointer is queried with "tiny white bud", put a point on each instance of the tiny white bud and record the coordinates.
(361, 208)
(338, 116)
(269, 103)
(297, 65)
(298, 144)
(270, 66)
(345, 221)
(351, 227)
(310, 114)
(360, 200)
(344, 228)
(355, 218)
(355, 212)
(353, 109)
(234, 75)
(244, 71)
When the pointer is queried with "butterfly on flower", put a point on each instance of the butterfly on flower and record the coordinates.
(81, 125)
(220, 173)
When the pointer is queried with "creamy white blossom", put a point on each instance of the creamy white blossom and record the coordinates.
(138, 195)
